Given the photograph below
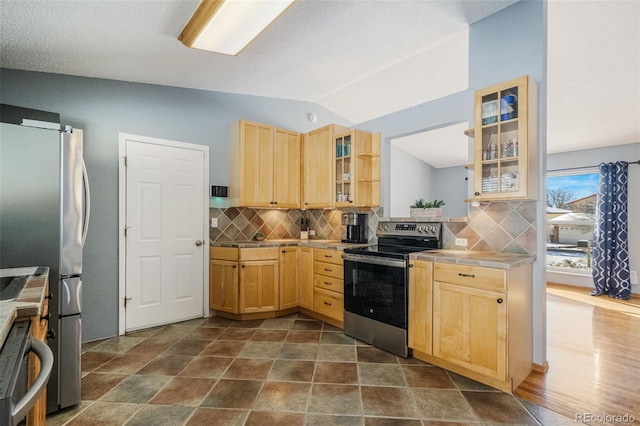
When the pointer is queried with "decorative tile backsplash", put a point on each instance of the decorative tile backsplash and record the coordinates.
(499, 226)
(503, 227)
(242, 223)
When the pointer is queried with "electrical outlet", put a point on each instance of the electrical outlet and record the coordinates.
(634, 277)
(461, 242)
(214, 222)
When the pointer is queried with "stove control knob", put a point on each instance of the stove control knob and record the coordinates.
(386, 227)
(380, 227)
(422, 228)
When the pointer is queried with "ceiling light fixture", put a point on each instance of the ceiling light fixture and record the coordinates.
(227, 26)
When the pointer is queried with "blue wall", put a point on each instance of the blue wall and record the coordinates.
(503, 46)
(104, 108)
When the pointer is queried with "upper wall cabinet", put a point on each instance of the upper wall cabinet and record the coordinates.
(264, 165)
(318, 164)
(506, 141)
(357, 169)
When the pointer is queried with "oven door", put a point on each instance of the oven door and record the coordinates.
(16, 397)
(376, 288)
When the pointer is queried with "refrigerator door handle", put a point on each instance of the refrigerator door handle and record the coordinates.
(87, 202)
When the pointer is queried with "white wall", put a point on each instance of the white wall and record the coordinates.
(411, 179)
(593, 157)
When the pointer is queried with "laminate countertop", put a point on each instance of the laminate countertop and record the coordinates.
(30, 301)
(474, 258)
(326, 244)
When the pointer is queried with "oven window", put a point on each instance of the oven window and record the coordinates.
(377, 292)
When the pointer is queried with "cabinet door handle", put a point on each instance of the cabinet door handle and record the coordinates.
(476, 193)
(466, 275)
(243, 266)
(234, 266)
(327, 269)
(45, 317)
(411, 265)
(327, 303)
(500, 300)
(283, 251)
(328, 283)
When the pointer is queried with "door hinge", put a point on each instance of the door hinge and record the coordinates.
(126, 299)
(125, 160)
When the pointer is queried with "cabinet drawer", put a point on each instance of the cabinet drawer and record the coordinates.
(470, 276)
(223, 253)
(328, 256)
(328, 303)
(328, 269)
(328, 283)
(266, 253)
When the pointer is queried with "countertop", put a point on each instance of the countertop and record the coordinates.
(29, 302)
(475, 258)
(328, 244)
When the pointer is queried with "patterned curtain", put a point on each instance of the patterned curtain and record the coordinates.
(611, 246)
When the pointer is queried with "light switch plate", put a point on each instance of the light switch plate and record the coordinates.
(214, 222)
(461, 242)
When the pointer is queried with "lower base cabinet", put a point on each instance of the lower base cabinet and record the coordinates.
(475, 321)
(266, 282)
(39, 325)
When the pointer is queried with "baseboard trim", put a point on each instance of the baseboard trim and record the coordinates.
(541, 368)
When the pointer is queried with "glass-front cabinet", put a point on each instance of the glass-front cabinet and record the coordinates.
(506, 132)
(357, 169)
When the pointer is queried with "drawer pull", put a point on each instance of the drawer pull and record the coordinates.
(327, 303)
(328, 256)
(327, 283)
(466, 275)
(500, 300)
(328, 270)
(45, 317)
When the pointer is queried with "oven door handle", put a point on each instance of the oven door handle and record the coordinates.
(394, 263)
(44, 354)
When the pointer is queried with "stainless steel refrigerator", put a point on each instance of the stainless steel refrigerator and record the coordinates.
(43, 221)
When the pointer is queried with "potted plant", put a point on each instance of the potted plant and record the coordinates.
(422, 208)
(259, 236)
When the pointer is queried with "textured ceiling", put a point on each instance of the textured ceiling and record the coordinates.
(359, 59)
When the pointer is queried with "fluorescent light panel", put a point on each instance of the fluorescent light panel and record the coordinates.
(227, 26)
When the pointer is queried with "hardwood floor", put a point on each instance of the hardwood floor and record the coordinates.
(593, 349)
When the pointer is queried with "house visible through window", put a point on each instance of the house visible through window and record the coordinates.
(571, 207)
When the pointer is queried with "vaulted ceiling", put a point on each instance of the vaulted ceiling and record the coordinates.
(359, 59)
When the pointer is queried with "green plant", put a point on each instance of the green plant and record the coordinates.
(422, 204)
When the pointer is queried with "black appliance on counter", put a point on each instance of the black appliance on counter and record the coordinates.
(356, 224)
(376, 283)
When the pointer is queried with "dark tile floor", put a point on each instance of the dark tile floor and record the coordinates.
(291, 371)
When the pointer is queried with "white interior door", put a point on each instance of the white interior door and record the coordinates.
(164, 243)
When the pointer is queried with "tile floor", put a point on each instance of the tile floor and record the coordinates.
(291, 371)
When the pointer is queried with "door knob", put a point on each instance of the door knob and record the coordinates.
(198, 243)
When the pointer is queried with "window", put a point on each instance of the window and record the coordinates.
(571, 206)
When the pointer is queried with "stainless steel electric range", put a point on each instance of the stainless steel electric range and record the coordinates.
(376, 283)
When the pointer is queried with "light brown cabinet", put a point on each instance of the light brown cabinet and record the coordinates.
(328, 285)
(243, 281)
(259, 284)
(223, 279)
(357, 169)
(264, 165)
(39, 325)
(481, 320)
(318, 165)
(420, 305)
(506, 141)
(306, 278)
(289, 277)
